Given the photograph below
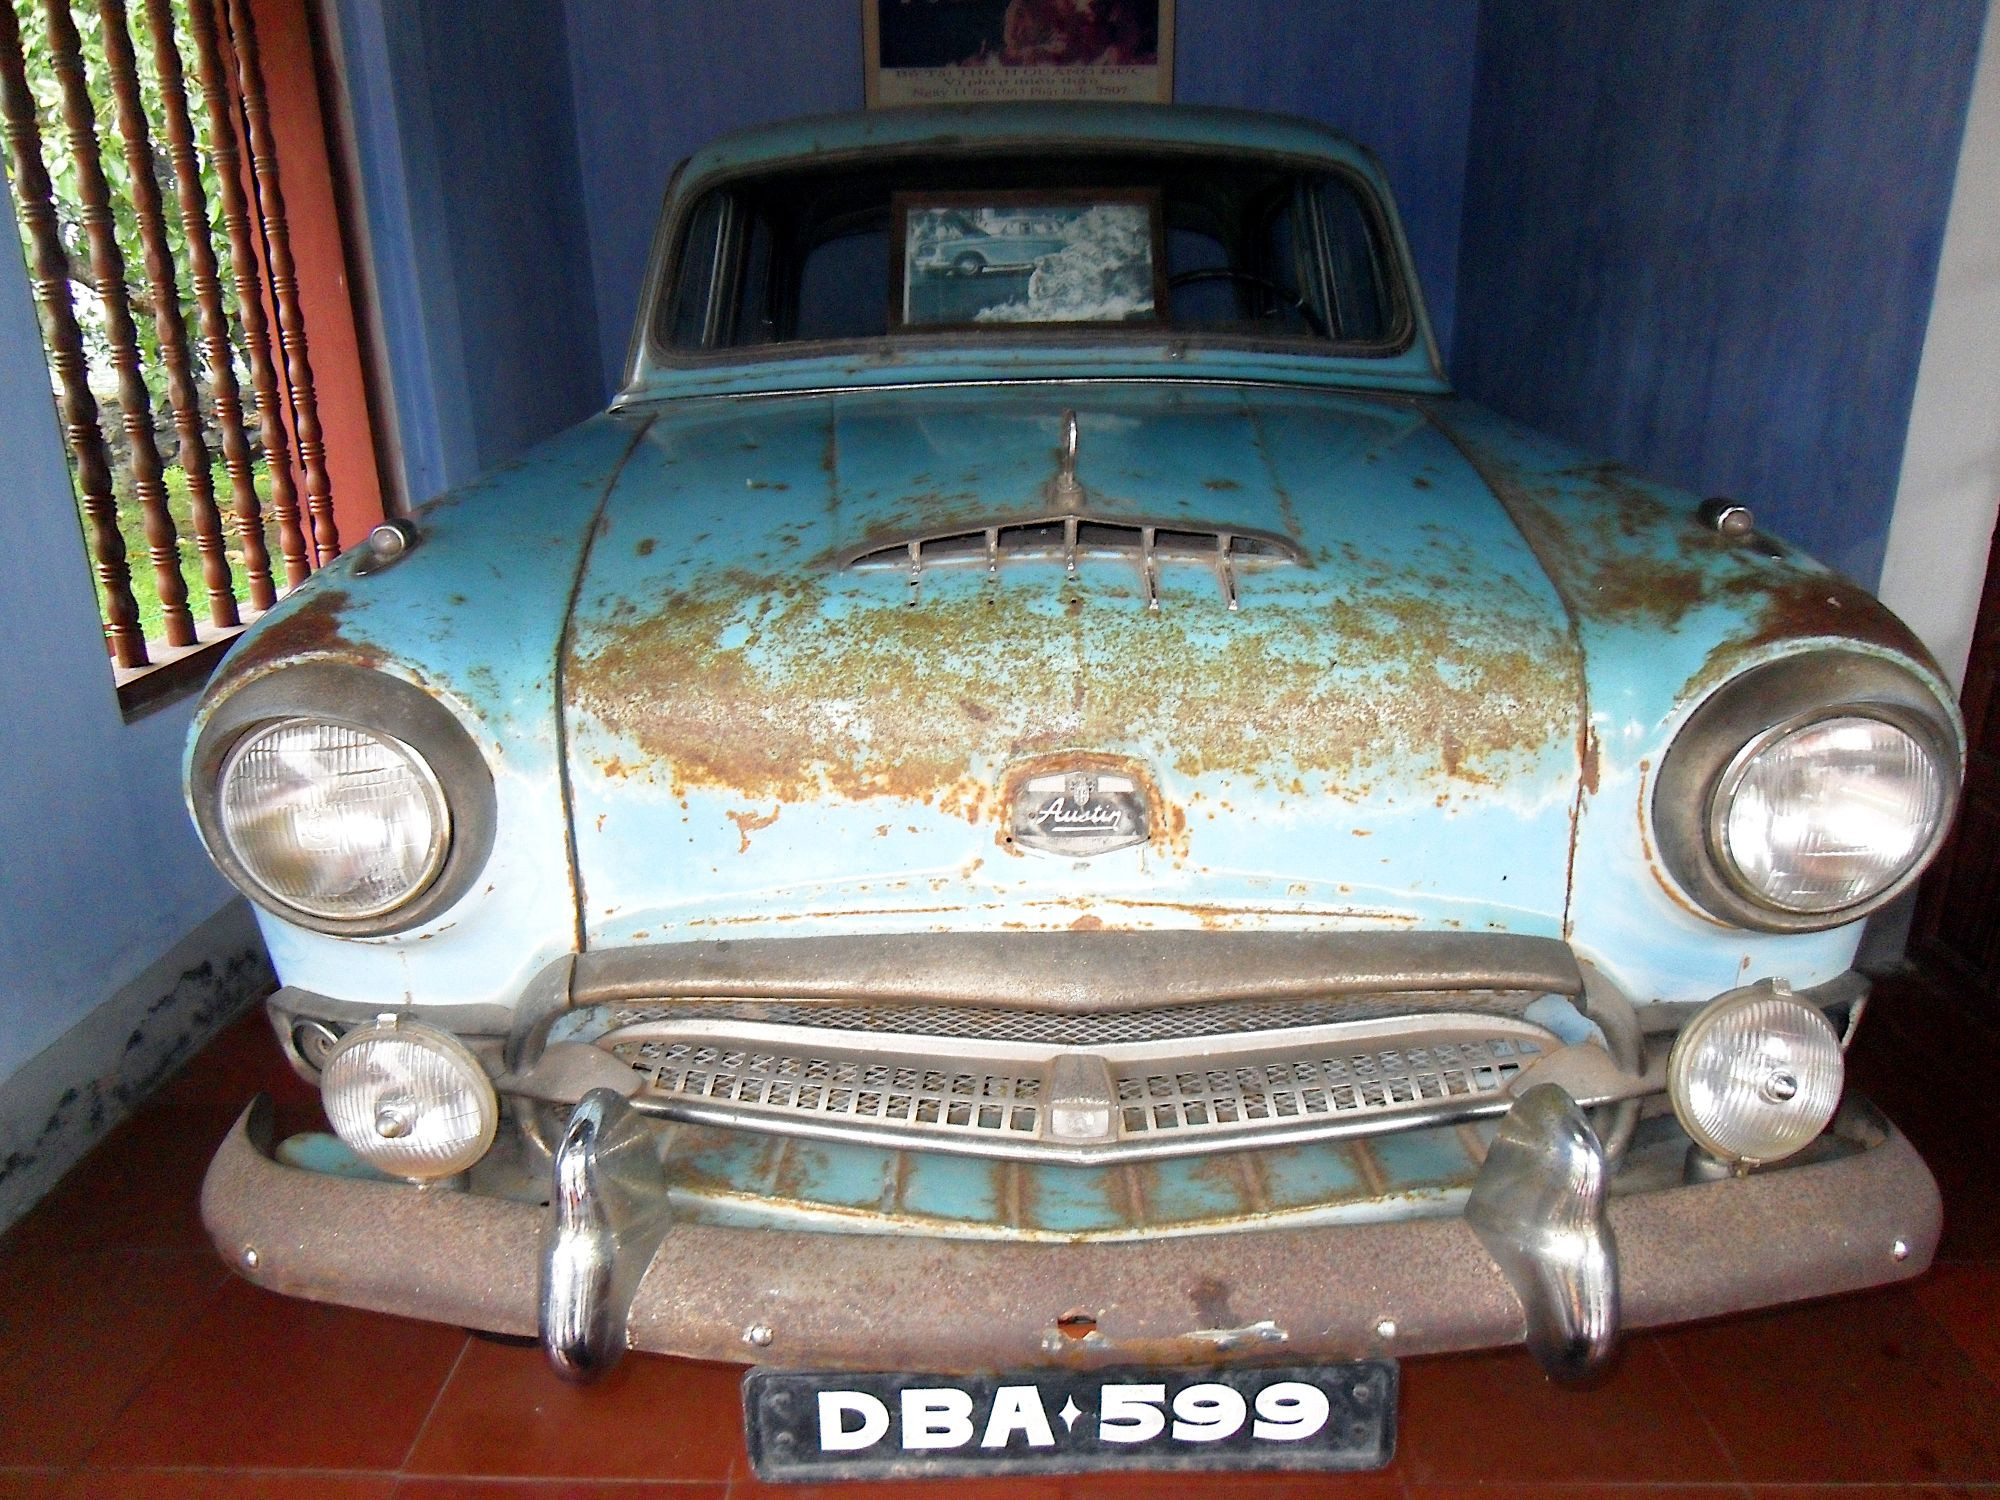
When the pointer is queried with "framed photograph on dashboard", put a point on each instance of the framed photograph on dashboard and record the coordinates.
(1020, 259)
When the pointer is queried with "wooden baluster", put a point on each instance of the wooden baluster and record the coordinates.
(168, 325)
(284, 282)
(205, 281)
(249, 287)
(107, 265)
(79, 407)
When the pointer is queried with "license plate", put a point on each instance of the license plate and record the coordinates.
(802, 1425)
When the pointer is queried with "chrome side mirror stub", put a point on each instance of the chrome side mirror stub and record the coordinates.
(609, 1211)
(1538, 1208)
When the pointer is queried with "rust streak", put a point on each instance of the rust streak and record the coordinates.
(314, 628)
(748, 823)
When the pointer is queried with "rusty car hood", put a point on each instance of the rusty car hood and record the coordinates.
(759, 733)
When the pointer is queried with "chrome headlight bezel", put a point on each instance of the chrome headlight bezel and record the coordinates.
(380, 705)
(1750, 713)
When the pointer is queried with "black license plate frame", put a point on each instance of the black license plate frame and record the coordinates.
(786, 1423)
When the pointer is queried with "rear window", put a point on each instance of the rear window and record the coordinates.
(1128, 244)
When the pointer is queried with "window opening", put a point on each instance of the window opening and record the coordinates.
(186, 394)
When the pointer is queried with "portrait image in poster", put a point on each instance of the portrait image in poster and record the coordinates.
(957, 51)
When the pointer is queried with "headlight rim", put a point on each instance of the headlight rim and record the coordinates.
(1781, 696)
(370, 700)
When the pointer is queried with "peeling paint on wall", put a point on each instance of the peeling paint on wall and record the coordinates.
(64, 1100)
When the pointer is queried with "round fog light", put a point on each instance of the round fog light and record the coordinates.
(409, 1099)
(1756, 1076)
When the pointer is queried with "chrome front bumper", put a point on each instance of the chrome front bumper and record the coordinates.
(870, 1301)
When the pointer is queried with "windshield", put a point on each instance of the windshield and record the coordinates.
(1125, 243)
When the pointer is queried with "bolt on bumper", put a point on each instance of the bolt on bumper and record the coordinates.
(1533, 1260)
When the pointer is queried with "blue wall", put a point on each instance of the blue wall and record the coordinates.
(653, 79)
(1700, 236)
(101, 871)
(1395, 77)
(1696, 235)
(467, 157)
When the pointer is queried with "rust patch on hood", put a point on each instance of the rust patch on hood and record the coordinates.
(825, 686)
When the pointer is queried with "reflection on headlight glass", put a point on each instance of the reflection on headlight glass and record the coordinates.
(333, 820)
(1833, 814)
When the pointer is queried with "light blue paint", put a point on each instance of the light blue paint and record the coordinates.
(1646, 668)
(474, 614)
(101, 873)
(724, 525)
(938, 1186)
(750, 1179)
(1700, 236)
(1078, 1200)
(655, 80)
(1419, 1159)
(1300, 1176)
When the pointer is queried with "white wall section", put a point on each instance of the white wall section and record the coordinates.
(1948, 492)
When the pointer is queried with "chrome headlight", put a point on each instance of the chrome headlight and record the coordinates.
(333, 819)
(341, 798)
(1756, 1076)
(409, 1100)
(1808, 791)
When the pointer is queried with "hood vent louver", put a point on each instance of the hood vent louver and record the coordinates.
(1067, 538)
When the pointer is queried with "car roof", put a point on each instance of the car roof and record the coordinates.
(974, 125)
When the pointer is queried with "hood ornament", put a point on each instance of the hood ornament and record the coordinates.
(1078, 811)
(1065, 489)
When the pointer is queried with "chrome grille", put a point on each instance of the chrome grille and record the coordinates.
(1004, 1098)
(1068, 537)
(842, 1089)
(1356, 1084)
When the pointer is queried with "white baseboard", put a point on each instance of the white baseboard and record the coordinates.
(62, 1101)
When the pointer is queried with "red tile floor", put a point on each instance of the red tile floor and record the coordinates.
(133, 1364)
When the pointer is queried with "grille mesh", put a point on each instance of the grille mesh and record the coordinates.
(1096, 1029)
(1004, 1103)
(1359, 1084)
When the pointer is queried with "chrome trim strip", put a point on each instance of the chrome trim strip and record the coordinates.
(1077, 971)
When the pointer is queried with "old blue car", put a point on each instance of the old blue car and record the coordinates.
(1071, 876)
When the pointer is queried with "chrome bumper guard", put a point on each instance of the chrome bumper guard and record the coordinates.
(1532, 1259)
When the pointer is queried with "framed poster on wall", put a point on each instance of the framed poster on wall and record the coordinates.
(968, 51)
